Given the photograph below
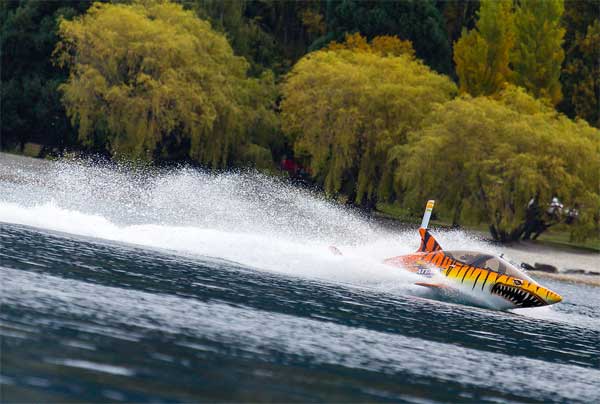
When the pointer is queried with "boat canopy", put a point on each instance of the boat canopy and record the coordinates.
(489, 262)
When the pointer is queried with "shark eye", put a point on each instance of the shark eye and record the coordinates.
(518, 282)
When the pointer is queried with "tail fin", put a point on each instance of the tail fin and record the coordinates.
(427, 215)
(428, 242)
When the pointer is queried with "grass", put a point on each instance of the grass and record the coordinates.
(557, 237)
(562, 238)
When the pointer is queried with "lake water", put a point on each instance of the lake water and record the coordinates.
(154, 286)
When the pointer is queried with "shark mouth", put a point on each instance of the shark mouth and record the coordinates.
(518, 297)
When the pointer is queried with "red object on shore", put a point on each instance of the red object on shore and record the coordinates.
(289, 165)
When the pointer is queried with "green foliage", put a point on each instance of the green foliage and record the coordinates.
(482, 54)
(244, 32)
(418, 21)
(459, 14)
(345, 115)
(581, 74)
(537, 55)
(31, 108)
(522, 47)
(485, 158)
(150, 74)
(271, 35)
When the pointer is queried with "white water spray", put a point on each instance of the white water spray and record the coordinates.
(248, 218)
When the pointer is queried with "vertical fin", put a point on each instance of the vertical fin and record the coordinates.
(428, 242)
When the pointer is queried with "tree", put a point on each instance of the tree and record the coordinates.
(482, 54)
(150, 77)
(247, 36)
(31, 107)
(384, 45)
(459, 14)
(345, 108)
(580, 77)
(485, 158)
(418, 21)
(537, 55)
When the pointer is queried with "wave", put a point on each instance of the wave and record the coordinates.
(246, 217)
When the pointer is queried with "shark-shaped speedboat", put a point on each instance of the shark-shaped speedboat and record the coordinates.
(487, 277)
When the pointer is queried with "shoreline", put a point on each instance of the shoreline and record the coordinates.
(390, 221)
(590, 280)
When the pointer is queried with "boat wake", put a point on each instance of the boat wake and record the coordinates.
(246, 217)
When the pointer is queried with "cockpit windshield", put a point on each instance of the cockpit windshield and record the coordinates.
(489, 262)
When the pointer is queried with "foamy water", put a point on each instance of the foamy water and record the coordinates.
(244, 217)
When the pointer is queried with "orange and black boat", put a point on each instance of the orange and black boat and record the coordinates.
(485, 277)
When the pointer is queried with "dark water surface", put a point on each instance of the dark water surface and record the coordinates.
(89, 320)
(119, 284)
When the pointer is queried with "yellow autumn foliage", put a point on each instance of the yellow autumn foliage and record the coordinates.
(484, 158)
(345, 107)
(538, 55)
(482, 55)
(384, 45)
(150, 73)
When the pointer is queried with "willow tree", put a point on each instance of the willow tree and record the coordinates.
(538, 54)
(345, 108)
(482, 55)
(485, 158)
(150, 74)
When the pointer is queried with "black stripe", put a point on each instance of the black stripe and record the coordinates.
(475, 283)
(485, 280)
(466, 272)
(425, 240)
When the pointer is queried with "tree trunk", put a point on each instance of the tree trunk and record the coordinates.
(457, 213)
(494, 232)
